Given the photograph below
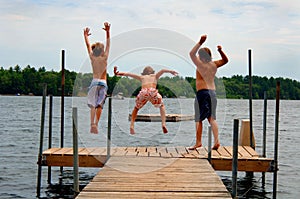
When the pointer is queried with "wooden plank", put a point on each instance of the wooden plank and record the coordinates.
(251, 151)
(129, 177)
(50, 151)
(151, 195)
(257, 165)
(163, 152)
(223, 152)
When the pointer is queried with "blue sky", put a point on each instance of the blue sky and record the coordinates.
(159, 33)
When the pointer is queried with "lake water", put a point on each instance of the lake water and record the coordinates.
(20, 132)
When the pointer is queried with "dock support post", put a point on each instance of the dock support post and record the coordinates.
(75, 152)
(209, 144)
(39, 176)
(250, 97)
(276, 140)
(109, 128)
(50, 133)
(264, 134)
(235, 157)
(62, 105)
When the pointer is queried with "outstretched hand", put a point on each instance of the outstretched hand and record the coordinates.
(86, 32)
(106, 27)
(116, 72)
(219, 48)
(202, 39)
(173, 72)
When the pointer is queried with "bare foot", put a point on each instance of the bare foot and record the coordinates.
(216, 146)
(165, 130)
(132, 132)
(94, 129)
(195, 146)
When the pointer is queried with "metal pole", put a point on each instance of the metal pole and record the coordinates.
(50, 134)
(250, 98)
(109, 128)
(75, 152)
(276, 140)
(209, 144)
(264, 134)
(62, 103)
(235, 157)
(39, 176)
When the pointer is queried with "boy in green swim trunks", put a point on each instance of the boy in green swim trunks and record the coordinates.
(147, 93)
(98, 87)
(206, 101)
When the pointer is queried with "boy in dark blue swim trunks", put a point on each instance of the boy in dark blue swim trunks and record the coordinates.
(206, 101)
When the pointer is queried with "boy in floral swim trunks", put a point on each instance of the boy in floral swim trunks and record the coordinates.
(98, 87)
(147, 93)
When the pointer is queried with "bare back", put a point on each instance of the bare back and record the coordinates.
(99, 65)
(205, 75)
(149, 81)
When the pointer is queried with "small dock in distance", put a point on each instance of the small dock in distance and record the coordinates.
(157, 117)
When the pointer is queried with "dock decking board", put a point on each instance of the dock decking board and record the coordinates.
(155, 177)
(249, 159)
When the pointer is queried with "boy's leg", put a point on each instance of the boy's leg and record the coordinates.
(163, 118)
(98, 115)
(198, 136)
(215, 130)
(94, 128)
(133, 117)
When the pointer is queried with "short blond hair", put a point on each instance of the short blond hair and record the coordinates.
(148, 70)
(97, 49)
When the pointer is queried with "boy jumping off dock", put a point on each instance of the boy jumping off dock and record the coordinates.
(206, 100)
(147, 93)
(98, 87)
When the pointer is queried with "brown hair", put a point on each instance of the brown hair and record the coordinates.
(205, 54)
(148, 70)
(97, 49)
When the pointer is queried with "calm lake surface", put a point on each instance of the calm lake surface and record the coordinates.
(20, 121)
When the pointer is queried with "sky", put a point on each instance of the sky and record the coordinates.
(157, 33)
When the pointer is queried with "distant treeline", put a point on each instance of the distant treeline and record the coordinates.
(29, 81)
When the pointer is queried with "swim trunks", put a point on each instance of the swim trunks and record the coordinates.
(97, 93)
(148, 94)
(205, 104)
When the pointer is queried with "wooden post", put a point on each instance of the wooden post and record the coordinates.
(209, 144)
(109, 128)
(276, 140)
(39, 176)
(235, 157)
(75, 152)
(50, 133)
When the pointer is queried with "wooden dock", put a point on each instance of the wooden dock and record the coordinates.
(157, 117)
(137, 177)
(248, 159)
(157, 172)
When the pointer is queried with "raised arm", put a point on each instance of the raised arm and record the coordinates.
(159, 73)
(194, 50)
(86, 34)
(224, 59)
(107, 29)
(135, 76)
